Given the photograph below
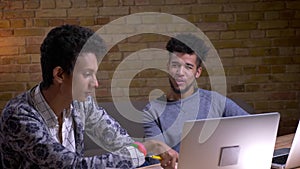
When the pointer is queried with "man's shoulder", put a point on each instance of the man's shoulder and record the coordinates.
(19, 99)
(204, 92)
(19, 102)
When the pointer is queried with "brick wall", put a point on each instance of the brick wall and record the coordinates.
(257, 41)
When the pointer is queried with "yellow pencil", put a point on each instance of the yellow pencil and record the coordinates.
(156, 157)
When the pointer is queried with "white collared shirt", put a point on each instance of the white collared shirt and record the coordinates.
(68, 139)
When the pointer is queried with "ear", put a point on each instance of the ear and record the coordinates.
(58, 75)
(198, 72)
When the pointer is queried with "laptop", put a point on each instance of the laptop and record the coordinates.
(288, 157)
(239, 142)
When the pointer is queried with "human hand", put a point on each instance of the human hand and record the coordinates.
(169, 157)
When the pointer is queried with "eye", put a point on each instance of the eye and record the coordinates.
(175, 65)
(189, 67)
(87, 74)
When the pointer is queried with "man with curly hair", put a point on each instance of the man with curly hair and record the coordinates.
(44, 127)
(164, 117)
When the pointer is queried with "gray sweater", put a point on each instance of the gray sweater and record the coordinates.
(164, 120)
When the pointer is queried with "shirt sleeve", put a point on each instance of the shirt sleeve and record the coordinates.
(26, 143)
(232, 109)
(108, 134)
(151, 123)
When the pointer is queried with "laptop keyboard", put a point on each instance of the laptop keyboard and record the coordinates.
(280, 159)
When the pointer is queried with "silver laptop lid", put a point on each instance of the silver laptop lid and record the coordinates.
(240, 142)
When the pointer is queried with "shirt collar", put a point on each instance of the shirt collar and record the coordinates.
(43, 108)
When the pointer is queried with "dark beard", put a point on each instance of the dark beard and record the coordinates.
(178, 91)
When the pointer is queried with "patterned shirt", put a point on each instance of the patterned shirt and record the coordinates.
(27, 142)
(51, 120)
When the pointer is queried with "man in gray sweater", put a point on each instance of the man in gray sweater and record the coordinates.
(165, 116)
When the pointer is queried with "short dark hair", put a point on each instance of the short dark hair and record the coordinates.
(62, 46)
(190, 44)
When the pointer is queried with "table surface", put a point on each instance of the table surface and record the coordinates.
(281, 142)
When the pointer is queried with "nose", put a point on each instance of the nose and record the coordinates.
(180, 70)
(95, 82)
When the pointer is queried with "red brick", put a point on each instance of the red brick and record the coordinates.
(228, 35)
(257, 34)
(242, 26)
(32, 49)
(47, 4)
(127, 2)
(257, 43)
(257, 52)
(213, 35)
(6, 32)
(5, 96)
(241, 52)
(228, 44)
(35, 78)
(7, 77)
(293, 4)
(113, 11)
(79, 4)
(22, 77)
(82, 12)
(211, 8)
(142, 2)
(52, 13)
(31, 4)
(63, 3)
(283, 96)
(182, 9)
(234, 71)
(8, 51)
(210, 18)
(29, 32)
(6, 87)
(4, 24)
(278, 69)
(212, 26)
(110, 2)
(148, 8)
(291, 77)
(76, 21)
(12, 41)
(17, 23)
(234, 7)
(272, 15)
(278, 60)
(266, 6)
(34, 40)
(226, 17)
(41, 22)
(25, 59)
(242, 17)
(87, 21)
(273, 24)
(242, 34)
(102, 21)
(14, 5)
(256, 15)
(173, 2)
(18, 14)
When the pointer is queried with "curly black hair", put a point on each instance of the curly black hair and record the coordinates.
(62, 46)
(190, 44)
